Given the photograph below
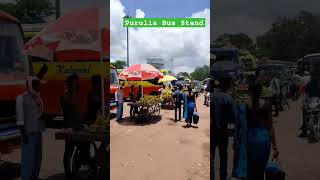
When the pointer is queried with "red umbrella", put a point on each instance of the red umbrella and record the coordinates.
(140, 72)
(79, 35)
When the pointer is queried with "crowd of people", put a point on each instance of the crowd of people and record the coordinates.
(185, 105)
(254, 117)
(257, 114)
(31, 122)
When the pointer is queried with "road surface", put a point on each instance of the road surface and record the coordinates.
(161, 149)
(299, 159)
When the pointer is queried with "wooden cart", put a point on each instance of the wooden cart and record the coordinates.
(100, 155)
(144, 112)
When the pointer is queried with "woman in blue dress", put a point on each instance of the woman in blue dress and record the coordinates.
(189, 106)
(260, 133)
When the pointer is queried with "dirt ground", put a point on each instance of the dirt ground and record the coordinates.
(299, 159)
(161, 149)
(164, 150)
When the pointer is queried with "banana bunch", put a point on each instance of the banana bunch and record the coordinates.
(101, 125)
(266, 92)
(167, 96)
(149, 100)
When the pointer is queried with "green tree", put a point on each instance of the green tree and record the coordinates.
(9, 8)
(290, 38)
(119, 64)
(29, 11)
(240, 40)
(201, 73)
(184, 74)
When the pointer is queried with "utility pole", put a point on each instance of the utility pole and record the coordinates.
(171, 68)
(57, 8)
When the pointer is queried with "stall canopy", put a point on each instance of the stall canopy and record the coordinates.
(140, 72)
(167, 79)
(80, 35)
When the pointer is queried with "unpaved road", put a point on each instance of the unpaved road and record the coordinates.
(299, 159)
(161, 149)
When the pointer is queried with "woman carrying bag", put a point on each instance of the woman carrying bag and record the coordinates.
(260, 133)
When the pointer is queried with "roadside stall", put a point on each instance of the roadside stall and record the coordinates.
(148, 105)
(147, 108)
(167, 99)
(66, 47)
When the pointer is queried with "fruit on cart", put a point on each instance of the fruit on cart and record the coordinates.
(266, 92)
(149, 100)
(166, 96)
(101, 125)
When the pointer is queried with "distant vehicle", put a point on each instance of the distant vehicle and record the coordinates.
(114, 84)
(306, 61)
(226, 54)
(225, 60)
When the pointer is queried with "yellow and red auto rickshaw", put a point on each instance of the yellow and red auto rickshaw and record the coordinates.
(14, 69)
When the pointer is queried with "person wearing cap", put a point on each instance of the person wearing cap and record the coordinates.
(29, 113)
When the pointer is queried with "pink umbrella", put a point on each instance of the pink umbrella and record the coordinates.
(140, 72)
(80, 35)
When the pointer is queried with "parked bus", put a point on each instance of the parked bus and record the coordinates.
(14, 69)
(114, 84)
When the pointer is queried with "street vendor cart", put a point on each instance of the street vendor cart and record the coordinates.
(145, 111)
(99, 155)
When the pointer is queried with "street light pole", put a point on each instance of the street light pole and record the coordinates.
(127, 46)
(127, 16)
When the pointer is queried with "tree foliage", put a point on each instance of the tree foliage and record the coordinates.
(29, 11)
(119, 64)
(201, 73)
(290, 38)
(184, 74)
(240, 40)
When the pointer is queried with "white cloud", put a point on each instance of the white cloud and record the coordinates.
(189, 48)
(139, 13)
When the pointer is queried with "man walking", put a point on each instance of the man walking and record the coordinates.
(119, 100)
(177, 96)
(224, 111)
(275, 87)
(29, 108)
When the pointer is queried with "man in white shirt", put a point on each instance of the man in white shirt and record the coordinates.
(119, 100)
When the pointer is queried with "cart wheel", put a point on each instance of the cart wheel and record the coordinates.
(85, 167)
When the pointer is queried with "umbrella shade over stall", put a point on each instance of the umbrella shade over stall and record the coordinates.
(140, 72)
(69, 39)
(167, 79)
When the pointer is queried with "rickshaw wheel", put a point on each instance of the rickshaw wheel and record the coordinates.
(78, 162)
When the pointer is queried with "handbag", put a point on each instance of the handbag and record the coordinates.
(195, 118)
(274, 171)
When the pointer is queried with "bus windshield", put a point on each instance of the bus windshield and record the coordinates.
(224, 56)
(13, 62)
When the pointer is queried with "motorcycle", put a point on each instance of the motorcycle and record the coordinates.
(207, 99)
(311, 117)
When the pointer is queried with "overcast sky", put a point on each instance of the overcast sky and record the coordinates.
(254, 17)
(189, 48)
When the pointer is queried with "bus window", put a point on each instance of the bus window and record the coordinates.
(13, 62)
(113, 77)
